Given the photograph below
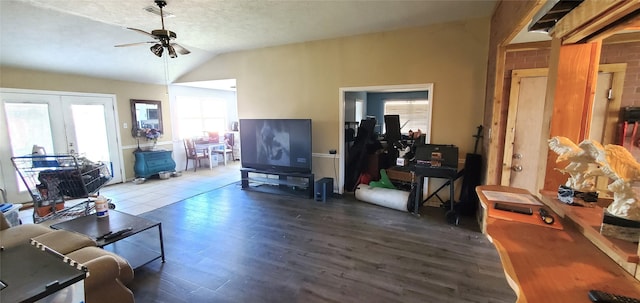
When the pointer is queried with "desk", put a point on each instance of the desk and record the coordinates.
(210, 147)
(549, 265)
(403, 173)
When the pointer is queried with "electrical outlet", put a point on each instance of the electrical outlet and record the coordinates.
(333, 152)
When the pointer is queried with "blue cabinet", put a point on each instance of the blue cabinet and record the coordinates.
(150, 163)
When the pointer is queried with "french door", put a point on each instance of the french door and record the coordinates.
(79, 124)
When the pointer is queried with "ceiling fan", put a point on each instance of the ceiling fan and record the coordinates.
(164, 38)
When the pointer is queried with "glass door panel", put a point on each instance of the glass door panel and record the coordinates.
(87, 121)
(28, 124)
(88, 125)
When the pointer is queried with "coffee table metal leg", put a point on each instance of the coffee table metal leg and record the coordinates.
(161, 241)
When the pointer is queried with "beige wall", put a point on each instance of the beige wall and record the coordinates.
(302, 80)
(29, 79)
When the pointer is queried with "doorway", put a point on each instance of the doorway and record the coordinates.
(62, 123)
(357, 107)
(525, 151)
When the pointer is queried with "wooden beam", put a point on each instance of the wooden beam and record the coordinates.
(574, 72)
(622, 38)
(507, 20)
(591, 16)
(512, 16)
(528, 46)
(626, 22)
(613, 39)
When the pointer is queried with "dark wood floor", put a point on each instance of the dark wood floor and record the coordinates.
(234, 245)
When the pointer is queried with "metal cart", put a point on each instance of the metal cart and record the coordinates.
(53, 180)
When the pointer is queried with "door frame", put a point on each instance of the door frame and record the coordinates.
(618, 71)
(6, 168)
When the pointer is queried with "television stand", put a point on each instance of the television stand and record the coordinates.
(286, 182)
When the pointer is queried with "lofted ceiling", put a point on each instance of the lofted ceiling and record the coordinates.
(78, 36)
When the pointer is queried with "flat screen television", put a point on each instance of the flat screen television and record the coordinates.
(278, 145)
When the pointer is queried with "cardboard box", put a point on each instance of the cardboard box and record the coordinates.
(13, 214)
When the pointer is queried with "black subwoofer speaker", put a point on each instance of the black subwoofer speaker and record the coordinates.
(324, 189)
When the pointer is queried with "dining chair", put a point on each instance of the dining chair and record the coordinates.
(214, 137)
(227, 148)
(194, 154)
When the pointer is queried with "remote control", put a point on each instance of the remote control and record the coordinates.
(513, 208)
(605, 297)
(117, 234)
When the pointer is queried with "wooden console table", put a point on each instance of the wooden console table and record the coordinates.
(544, 264)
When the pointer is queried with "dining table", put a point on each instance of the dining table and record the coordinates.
(211, 147)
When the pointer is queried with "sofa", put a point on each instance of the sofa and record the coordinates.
(109, 273)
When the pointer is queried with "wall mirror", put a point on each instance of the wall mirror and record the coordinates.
(146, 114)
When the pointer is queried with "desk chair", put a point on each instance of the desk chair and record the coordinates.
(194, 154)
(228, 148)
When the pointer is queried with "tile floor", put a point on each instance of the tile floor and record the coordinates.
(154, 193)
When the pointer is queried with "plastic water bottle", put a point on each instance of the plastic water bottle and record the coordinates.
(102, 207)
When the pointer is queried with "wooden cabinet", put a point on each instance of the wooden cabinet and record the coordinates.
(150, 163)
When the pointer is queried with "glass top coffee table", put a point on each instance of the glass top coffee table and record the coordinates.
(112, 233)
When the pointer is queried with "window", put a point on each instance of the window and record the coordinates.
(360, 110)
(198, 115)
(414, 114)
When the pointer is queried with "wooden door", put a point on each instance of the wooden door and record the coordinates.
(524, 141)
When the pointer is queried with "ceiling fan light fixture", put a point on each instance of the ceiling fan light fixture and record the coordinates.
(154, 10)
(172, 51)
(156, 49)
(163, 36)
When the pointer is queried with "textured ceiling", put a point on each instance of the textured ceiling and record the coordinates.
(76, 36)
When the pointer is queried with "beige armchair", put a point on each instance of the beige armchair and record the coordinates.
(13, 236)
(108, 275)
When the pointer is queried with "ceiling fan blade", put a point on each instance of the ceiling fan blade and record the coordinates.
(143, 32)
(133, 44)
(180, 49)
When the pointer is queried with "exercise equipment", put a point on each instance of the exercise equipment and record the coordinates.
(362, 147)
(391, 198)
